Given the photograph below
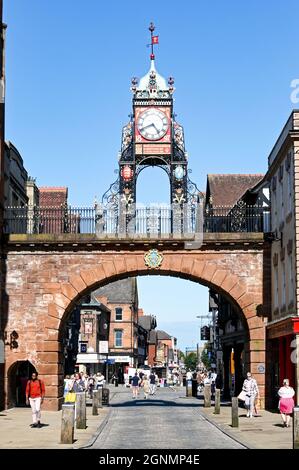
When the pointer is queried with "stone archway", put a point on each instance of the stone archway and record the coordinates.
(18, 374)
(42, 301)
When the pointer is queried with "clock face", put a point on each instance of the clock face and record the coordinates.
(152, 124)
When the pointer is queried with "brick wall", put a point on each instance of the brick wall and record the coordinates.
(43, 285)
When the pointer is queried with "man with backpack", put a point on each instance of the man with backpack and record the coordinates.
(35, 393)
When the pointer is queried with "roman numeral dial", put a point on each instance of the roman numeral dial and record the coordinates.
(152, 124)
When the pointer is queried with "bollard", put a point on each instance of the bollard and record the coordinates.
(100, 390)
(95, 402)
(217, 402)
(81, 410)
(105, 396)
(296, 428)
(235, 412)
(188, 388)
(207, 396)
(67, 424)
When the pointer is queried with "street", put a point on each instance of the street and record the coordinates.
(166, 421)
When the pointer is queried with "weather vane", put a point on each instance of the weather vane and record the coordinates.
(154, 40)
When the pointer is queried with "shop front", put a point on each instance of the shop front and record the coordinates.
(282, 362)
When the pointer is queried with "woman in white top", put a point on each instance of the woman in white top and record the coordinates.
(286, 402)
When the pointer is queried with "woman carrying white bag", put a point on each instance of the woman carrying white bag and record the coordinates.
(249, 394)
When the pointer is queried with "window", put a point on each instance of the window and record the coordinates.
(276, 288)
(291, 279)
(118, 338)
(274, 211)
(281, 202)
(118, 314)
(290, 193)
(283, 297)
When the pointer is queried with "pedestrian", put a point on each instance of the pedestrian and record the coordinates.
(90, 385)
(67, 384)
(35, 393)
(100, 380)
(146, 386)
(135, 385)
(78, 384)
(152, 380)
(251, 393)
(286, 402)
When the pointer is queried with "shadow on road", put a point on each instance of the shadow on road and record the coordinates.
(155, 402)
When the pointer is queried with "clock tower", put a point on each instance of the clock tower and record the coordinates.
(153, 137)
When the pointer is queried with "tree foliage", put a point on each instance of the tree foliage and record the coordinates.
(191, 361)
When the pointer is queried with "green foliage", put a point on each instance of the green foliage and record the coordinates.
(191, 361)
(205, 359)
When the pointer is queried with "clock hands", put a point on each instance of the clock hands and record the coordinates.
(149, 125)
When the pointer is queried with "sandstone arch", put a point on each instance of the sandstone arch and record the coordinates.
(41, 301)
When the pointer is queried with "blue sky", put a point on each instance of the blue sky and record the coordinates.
(69, 65)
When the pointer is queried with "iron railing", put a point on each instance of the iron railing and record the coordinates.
(156, 220)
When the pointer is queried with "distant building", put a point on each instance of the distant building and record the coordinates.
(20, 193)
(283, 325)
(121, 298)
(163, 354)
(148, 323)
(86, 338)
(15, 178)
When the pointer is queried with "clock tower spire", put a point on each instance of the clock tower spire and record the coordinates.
(153, 137)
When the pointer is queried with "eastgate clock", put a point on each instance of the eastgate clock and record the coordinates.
(152, 124)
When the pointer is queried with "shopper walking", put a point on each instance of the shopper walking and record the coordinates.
(152, 380)
(35, 393)
(100, 380)
(251, 393)
(146, 386)
(135, 385)
(286, 402)
(78, 384)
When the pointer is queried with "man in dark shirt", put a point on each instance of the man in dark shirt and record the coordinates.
(135, 385)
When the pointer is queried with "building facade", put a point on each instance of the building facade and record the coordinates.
(283, 324)
(121, 298)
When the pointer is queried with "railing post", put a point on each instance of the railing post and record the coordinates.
(235, 412)
(207, 395)
(67, 424)
(95, 402)
(217, 402)
(81, 410)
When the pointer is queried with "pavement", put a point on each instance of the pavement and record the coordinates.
(168, 420)
(16, 433)
(264, 431)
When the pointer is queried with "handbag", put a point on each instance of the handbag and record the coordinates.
(70, 397)
(242, 395)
